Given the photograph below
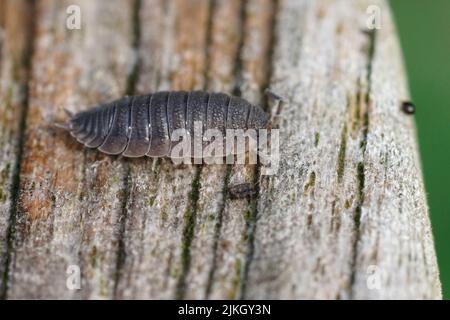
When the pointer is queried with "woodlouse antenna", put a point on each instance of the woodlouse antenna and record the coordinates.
(278, 103)
(270, 93)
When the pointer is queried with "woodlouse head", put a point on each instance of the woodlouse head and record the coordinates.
(260, 119)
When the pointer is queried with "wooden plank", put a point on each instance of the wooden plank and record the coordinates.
(162, 200)
(181, 264)
(347, 207)
(394, 224)
(344, 216)
(71, 198)
(226, 42)
(15, 45)
(223, 255)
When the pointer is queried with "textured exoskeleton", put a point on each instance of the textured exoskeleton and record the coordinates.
(136, 126)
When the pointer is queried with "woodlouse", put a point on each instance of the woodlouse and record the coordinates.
(135, 126)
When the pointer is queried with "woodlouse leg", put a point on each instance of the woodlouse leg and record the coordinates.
(155, 161)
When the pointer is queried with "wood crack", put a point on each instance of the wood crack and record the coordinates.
(236, 91)
(190, 215)
(14, 195)
(360, 175)
(188, 233)
(217, 231)
(251, 223)
(130, 90)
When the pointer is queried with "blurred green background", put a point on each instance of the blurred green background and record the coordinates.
(424, 30)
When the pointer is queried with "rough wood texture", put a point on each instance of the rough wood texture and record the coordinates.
(347, 201)
(15, 35)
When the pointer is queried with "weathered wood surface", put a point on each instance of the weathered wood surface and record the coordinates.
(347, 201)
(15, 46)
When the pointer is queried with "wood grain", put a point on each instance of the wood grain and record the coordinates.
(344, 217)
(346, 202)
(15, 38)
(70, 198)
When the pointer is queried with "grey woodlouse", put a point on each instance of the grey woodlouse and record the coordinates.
(135, 126)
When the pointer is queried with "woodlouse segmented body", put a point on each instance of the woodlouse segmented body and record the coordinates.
(136, 126)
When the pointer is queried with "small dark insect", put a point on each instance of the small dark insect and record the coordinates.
(241, 190)
(408, 107)
(139, 126)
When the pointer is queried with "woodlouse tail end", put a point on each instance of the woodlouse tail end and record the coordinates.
(65, 125)
(62, 125)
(69, 113)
